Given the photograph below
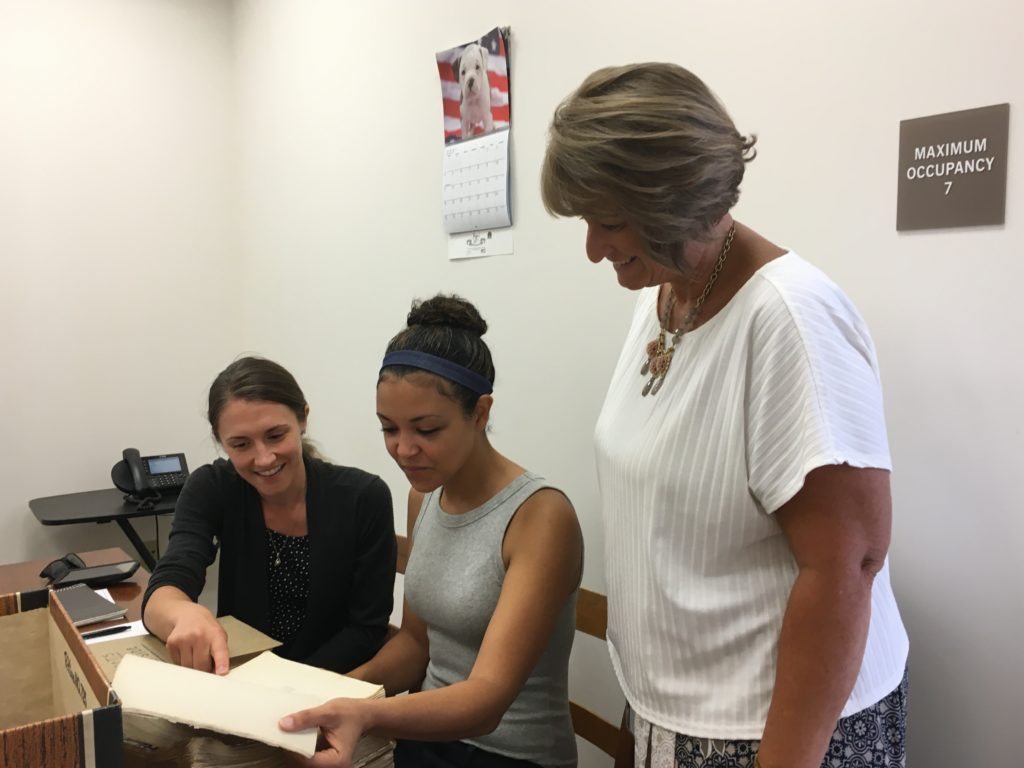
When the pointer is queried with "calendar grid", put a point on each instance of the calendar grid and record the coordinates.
(475, 184)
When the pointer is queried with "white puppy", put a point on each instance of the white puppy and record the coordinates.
(475, 108)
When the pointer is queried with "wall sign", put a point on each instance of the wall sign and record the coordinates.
(953, 169)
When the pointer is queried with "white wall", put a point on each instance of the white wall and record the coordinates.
(119, 296)
(126, 124)
(340, 124)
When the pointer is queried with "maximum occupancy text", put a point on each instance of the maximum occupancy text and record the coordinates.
(953, 158)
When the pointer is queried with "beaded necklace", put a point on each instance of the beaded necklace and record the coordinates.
(659, 353)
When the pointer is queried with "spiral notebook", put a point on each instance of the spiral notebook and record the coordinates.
(84, 606)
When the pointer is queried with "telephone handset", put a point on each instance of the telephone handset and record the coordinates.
(144, 477)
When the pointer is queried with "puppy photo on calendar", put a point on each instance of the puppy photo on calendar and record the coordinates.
(475, 88)
(474, 80)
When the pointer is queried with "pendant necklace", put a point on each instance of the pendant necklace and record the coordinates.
(274, 547)
(659, 352)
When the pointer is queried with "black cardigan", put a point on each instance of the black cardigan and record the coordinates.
(351, 548)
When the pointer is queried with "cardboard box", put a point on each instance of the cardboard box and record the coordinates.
(57, 709)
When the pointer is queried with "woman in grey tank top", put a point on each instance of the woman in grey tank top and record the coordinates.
(490, 586)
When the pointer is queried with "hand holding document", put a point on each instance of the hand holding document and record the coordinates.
(244, 643)
(188, 696)
(248, 702)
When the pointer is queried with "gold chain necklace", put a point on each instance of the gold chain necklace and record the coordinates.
(659, 354)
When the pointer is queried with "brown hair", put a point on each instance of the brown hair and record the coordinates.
(650, 144)
(256, 378)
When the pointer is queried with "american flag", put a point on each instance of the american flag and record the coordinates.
(497, 44)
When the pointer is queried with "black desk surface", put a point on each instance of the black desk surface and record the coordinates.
(93, 507)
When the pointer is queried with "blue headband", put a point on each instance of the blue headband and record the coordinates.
(446, 368)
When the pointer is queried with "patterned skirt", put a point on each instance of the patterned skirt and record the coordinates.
(872, 738)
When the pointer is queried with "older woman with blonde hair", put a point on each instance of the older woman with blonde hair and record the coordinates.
(742, 452)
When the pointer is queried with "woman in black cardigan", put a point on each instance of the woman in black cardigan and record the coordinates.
(307, 548)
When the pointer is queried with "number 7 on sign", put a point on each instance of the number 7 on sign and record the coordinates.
(949, 185)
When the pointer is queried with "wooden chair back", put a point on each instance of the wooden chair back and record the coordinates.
(591, 619)
(613, 740)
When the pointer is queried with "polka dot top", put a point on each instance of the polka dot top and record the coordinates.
(288, 579)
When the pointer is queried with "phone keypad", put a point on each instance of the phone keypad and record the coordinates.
(169, 480)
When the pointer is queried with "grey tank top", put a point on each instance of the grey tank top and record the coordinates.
(452, 581)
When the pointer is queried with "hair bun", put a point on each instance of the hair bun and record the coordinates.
(447, 311)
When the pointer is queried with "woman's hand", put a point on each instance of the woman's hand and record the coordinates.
(341, 722)
(197, 640)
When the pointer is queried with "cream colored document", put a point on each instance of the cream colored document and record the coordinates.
(222, 704)
(271, 671)
(244, 642)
